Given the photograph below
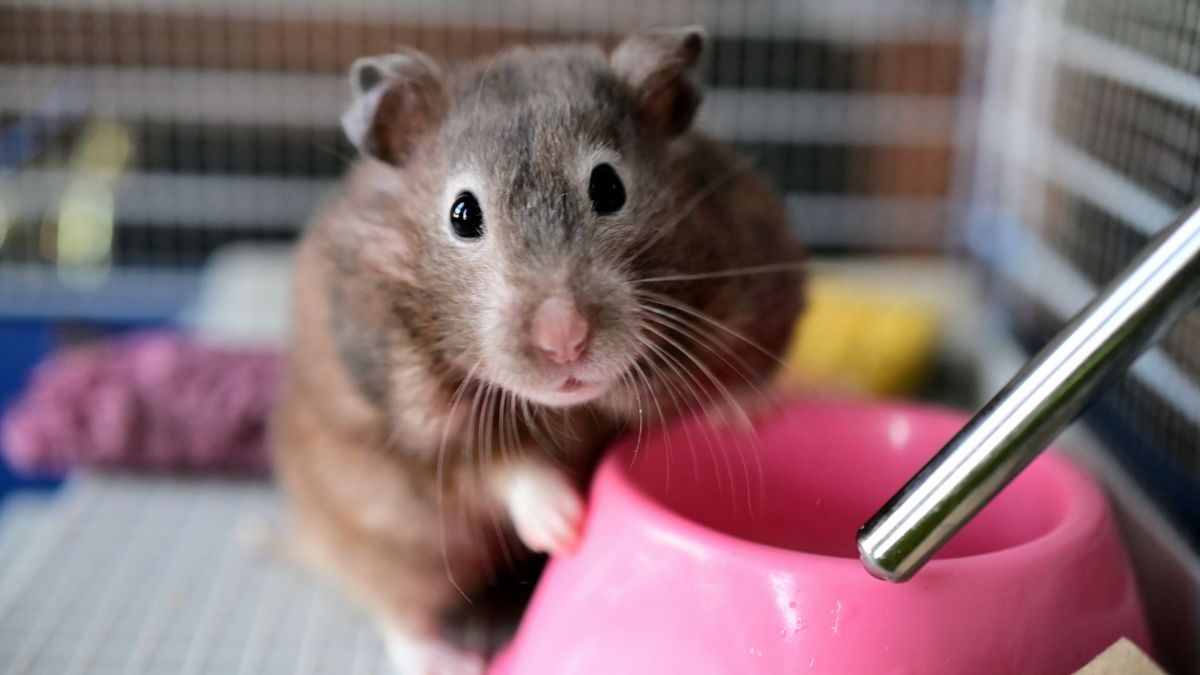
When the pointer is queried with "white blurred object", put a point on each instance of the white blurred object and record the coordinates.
(245, 296)
(146, 575)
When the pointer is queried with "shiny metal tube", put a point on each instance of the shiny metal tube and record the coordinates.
(1126, 318)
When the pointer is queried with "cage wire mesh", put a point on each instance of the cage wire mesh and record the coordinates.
(1089, 145)
(140, 136)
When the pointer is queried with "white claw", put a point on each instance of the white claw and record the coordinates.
(544, 506)
(412, 655)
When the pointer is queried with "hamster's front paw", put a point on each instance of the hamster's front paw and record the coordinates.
(545, 508)
(741, 410)
(411, 655)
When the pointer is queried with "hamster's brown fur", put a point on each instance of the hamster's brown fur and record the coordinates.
(402, 402)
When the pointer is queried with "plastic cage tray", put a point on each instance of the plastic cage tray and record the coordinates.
(123, 575)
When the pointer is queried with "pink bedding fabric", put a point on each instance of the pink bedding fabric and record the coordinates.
(155, 401)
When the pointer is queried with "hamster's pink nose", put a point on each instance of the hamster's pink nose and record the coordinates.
(559, 330)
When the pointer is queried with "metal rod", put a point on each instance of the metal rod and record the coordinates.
(1125, 319)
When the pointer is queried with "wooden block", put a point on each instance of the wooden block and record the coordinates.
(1123, 658)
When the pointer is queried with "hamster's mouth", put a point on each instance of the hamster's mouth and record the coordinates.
(568, 392)
(571, 385)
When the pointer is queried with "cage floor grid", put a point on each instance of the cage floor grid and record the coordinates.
(124, 575)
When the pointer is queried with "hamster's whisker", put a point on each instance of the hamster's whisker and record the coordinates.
(495, 420)
(510, 453)
(730, 400)
(692, 204)
(477, 454)
(699, 387)
(470, 443)
(622, 381)
(742, 369)
(566, 428)
(772, 268)
(676, 394)
(707, 339)
(662, 419)
(531, 422)
(440, 491)
(494, 409)
(543, 433)
(711, 342)
(483, 79)
(662, 309)
(471, 431)
(667, 302)
(389, 440)
(332, 152)
(637, 446)
(488, 435)
(688, 383)
(627, 379)
(689, 355)
(508, 426)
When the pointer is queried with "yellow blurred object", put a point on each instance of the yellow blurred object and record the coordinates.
(83, 227)
(4, 218)
(105, 150)
(852, 338)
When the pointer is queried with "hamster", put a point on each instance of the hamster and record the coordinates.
(534, 253)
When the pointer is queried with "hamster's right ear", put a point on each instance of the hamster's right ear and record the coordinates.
(398, 98)
(657, 67)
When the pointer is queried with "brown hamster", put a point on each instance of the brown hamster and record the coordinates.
(532, 248)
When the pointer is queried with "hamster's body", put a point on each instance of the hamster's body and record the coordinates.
(451, 381)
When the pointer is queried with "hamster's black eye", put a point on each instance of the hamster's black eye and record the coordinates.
(605, 190)
(466, 218)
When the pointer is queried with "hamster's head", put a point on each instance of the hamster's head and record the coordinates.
(521, 191)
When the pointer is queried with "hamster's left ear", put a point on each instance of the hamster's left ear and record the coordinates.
(658, 70)
(398, 98)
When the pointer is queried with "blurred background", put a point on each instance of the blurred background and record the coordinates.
(968, 172)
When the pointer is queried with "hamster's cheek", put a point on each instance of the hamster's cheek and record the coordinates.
(498, 324)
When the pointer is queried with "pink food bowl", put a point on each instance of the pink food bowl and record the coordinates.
(710, 552)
